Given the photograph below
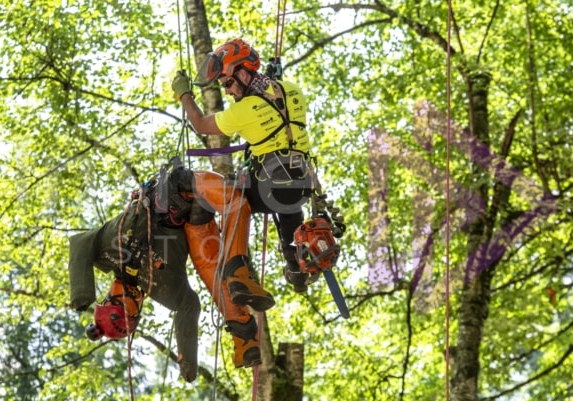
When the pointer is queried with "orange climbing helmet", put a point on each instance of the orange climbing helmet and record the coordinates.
(225, 60)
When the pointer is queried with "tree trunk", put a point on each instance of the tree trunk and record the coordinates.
(267, 368)
(280, 377)
(289, 377)
(212, 100)
(476, 292)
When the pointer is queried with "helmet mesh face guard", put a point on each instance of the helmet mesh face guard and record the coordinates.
(316, 247)
(118, 315)
(210, 70)
(225, 60)
(112, 322)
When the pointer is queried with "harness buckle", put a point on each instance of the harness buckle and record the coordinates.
(296, 160)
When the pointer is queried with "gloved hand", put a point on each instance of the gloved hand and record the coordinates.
(181, 84)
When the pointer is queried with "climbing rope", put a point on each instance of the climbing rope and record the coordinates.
(180, 42)
(261, 319)
(167, 357)
(184, 137)
(142, 199)
(448, 140)
(222, 259)
(216, 361)
(279, 34)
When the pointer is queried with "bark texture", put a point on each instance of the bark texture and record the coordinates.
(476, 293)
(290, 372)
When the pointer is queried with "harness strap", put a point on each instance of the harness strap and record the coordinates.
(278, 102)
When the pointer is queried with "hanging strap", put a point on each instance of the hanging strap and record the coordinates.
(216, 151)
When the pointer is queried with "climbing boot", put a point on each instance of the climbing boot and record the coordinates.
(242, 288)
(294, 276)
(292, 272)
(247, 351)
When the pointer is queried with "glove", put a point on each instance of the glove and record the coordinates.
(181, 84)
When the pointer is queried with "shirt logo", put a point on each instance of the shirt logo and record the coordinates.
(259, 106)
(267, 122)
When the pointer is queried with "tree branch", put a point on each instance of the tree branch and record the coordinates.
(66, 161)
(322, 43)
(489, 24)
(422, 30)
(533, 378)
(205, 373)
(58, 367)
(71, 86)
(406, 361)
(542, 344)
(533, 272)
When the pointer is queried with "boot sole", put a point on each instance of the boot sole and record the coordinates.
(300, 289)
(251, 364)
(251, 357)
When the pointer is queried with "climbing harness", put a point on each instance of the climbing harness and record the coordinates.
(278, 102)
(124, 298)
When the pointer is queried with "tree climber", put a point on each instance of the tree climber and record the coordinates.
(118, 315)
(271, 116)
(178, 198)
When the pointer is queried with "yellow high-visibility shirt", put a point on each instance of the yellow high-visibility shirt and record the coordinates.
(253, 119)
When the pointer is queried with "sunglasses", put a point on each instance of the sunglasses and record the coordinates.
(228, 83)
